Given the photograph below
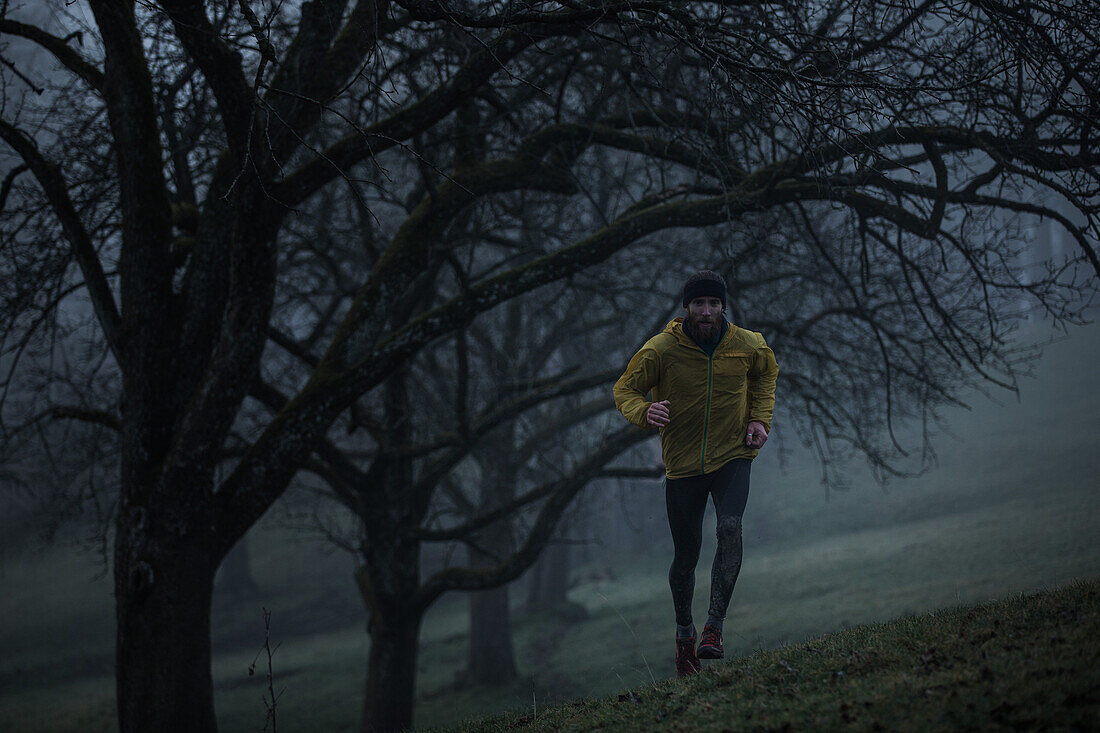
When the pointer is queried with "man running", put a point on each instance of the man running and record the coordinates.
(713, 387)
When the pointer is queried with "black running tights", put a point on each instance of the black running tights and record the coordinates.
(686, 501)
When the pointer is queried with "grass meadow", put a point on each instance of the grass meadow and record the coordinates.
(1012, 507)
(1029, 662)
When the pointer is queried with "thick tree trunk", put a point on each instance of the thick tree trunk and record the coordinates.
(391, 672)
(163, 587)
(387, 583)
(490, 657)
(389, 577)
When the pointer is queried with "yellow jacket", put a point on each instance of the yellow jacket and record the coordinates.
(712, 399)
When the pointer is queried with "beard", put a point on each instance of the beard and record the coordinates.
(703, 331)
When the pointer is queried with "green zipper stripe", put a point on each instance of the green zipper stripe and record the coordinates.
(706, 416)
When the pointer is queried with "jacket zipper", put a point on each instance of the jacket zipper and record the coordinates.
(706, 415)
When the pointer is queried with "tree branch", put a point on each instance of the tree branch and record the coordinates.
(220, 65)
(560, 495)
(417, 117)
(49, 177)
(497, 416)
(61, 50)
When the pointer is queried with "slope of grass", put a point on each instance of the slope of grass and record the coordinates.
(1027, 662)
(787, 594)
(1001, 515)
(55, 667)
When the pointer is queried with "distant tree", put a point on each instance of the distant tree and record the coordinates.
(152, 183)
(549, 579)
(452, 458)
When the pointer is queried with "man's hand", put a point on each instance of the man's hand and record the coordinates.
(757, 436)
(658, 413)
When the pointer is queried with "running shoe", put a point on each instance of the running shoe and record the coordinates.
(710, 643)
(686, 661)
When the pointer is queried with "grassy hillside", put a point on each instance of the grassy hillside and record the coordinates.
(1028, 662)
(1004, 513)
(56, 641)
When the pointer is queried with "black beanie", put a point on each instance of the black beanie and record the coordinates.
(705, 284)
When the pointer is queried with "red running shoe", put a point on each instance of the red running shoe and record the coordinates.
(710, 643)
(686, 661)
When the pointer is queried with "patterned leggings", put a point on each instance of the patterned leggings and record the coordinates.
(686, 501)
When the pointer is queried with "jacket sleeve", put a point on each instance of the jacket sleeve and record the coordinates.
(639, 378)
(761, 386)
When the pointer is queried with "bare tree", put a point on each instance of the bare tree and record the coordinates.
(452, 459)
(457, 452)
(166, 163)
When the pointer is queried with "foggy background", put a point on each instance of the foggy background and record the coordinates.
(1012, 506)
(877, 494)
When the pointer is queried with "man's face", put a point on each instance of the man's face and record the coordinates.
(704, 318)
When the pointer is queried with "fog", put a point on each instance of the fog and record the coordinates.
(817, 558)
(446, 245)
